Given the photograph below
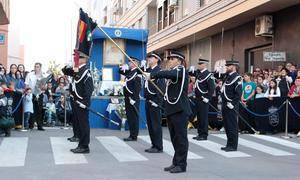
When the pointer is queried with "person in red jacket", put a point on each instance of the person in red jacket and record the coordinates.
(295, 89)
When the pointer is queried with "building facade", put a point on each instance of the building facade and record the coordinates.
(215, 29)
(4, 21)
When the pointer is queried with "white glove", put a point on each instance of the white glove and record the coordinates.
(132, 102)
(192, 69)
(154, 104)
(147, 76)
(229, 105)
(81, 105)
(124, 67)
(10, 101)
(144, 63)
(2, 102)
(205, 100)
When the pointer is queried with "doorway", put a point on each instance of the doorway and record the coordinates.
(254, 58)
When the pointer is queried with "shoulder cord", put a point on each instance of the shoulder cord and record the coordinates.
(82, 76)
(166, 97)
(130, 80)
(147, 87)
(197, 85)
(228, 85)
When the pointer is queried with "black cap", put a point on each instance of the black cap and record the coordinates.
(203, 61)
(81, 55)
(155, 55)
(175, 54)
(232, 62)
(134, 59)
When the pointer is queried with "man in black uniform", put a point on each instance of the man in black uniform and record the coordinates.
(153, 105)
(70, 72)
(231, 94)
(132, 90)
(177, 108)
(204, 90)
(83, 88)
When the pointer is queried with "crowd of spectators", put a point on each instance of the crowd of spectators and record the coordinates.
(284, 82)
(38, 97)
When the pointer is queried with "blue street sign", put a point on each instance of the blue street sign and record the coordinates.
(2, 38)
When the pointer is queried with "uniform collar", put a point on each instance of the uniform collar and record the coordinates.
(154, 67)
(203, 70)
(133, 69)
(176, 67)
(81, 66)
(231, 73)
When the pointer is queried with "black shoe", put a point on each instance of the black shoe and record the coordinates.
(74, 139)
(223, 148)
(41, 129)
(70, 138)
(72, 150)
(130, 139)
(146, 150)
(80, 150)
(154, 150)
(169, 168)
(200, 138)
(7, 134)
(178, 169)
(230, 149)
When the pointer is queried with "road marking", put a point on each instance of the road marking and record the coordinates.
(168, 148)
(120, 150)
(216, 148)
(62, 154)
(278, 141)
(13, 151)
(258, 147)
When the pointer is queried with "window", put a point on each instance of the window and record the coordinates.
(202, 3)
(165, 13)
(171, 16)
(159, 26)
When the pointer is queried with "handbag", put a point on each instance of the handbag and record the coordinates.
(7, 122)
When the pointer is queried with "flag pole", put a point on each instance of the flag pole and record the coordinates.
(127, 56)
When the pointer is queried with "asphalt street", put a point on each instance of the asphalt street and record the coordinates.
(45, 155)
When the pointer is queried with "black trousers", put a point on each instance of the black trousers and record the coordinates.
(177, 124)
(202, 117)
(132, 117)
(230, 125)
(74, 120)
(83, 125)
(153, 115)
(38, 116)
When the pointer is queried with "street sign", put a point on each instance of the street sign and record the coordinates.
(274, 56)
(2, 38)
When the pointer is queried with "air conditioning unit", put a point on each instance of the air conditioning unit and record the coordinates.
(173, 3)
(264, 26)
